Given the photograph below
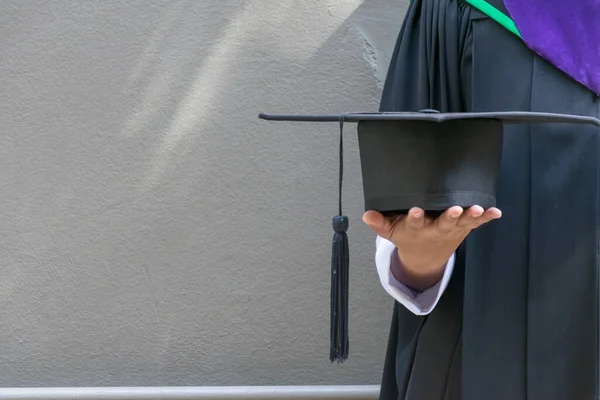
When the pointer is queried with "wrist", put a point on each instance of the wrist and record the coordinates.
(420, 275)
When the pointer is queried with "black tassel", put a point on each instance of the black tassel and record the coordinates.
(339, 291)
(340, 268)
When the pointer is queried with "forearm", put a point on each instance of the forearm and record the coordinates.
(417, 302)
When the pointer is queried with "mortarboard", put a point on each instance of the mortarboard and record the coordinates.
(423, 159)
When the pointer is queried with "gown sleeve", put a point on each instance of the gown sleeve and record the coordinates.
(430, 68)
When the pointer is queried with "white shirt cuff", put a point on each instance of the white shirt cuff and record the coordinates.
(418, 303)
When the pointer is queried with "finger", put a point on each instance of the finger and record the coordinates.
(489, 215)
(415, 219)
(447, 221)
(493, 213)
(470, 216)
(378, 223)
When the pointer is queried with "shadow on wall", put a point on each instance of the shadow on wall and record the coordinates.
(155, 231)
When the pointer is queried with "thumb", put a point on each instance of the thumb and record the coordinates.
(378, 223)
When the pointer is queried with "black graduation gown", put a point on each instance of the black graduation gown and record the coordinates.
(519, 319)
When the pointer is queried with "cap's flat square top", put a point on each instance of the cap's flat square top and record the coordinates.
(507, 117)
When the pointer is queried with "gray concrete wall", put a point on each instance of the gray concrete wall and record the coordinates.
(154, 231)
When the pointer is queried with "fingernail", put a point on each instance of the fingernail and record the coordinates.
(455, 212)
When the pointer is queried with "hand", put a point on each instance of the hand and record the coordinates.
(425, 244)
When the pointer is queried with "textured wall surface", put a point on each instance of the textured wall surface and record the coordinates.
(154, 231)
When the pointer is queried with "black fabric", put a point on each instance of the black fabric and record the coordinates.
(520, 317)
(431, 165)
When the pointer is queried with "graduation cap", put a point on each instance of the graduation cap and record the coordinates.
(423, 159)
